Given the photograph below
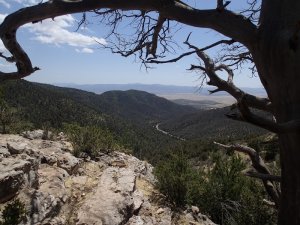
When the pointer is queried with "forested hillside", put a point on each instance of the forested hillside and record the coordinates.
(210, 124)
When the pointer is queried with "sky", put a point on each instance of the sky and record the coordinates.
(69, 56)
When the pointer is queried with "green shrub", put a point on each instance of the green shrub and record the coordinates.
(90, 139)
(223, 193)
(229, 197)
(13, 213)
(176, 179)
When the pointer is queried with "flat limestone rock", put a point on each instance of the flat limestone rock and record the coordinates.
(50, 196)
(112, 202)
(16, 148)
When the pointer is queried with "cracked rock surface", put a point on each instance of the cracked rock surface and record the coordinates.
(58, 188)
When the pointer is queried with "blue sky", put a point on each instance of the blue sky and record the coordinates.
(66, 56)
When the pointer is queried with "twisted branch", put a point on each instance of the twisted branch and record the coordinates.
(260, 166)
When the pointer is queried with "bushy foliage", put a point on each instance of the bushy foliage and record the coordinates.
(13, 213)
(90, 139)
(176, 178)
(222, 192)
(231, 198)
(6, 113)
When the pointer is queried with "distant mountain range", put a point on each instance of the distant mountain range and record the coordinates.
(153, 88)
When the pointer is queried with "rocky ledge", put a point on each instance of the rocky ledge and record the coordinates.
(58, 188)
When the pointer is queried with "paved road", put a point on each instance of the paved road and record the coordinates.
(167, 133)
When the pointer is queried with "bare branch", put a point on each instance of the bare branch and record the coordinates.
(228, 42)
(221, 5)
(194, 67)
(228, 70)
(248, 116)
(244, 100)
(157, 29)
(228, 86)
(260, 166)
(8, 59)
(253, 10)
(171, 60)
(263, 176)
(214, 91)
(269, 203)
(82, 21)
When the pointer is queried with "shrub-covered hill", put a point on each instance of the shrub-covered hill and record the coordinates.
(54, 104)
(137, 106)
(141, 106)
(209, 124)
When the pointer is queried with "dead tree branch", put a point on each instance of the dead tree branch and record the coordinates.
(263, 176)
(244, 100)
(260, 166)
(228, 42)
(271, 125)
(221, 5)
(228, 86)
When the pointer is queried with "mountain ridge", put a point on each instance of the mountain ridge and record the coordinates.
(154, 88)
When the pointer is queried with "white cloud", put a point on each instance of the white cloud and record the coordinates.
(56, 32)
(85, 50)
(3, 2)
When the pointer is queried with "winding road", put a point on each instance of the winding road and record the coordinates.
(167, 133)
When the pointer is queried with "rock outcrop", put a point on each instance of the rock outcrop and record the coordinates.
(58, 188)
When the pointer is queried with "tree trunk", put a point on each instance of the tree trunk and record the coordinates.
(277, 56)
(289, 213)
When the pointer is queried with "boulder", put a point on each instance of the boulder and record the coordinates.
(16, 147)
(17, 173)
(68, 162)
(36, 134)
(10, 183)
